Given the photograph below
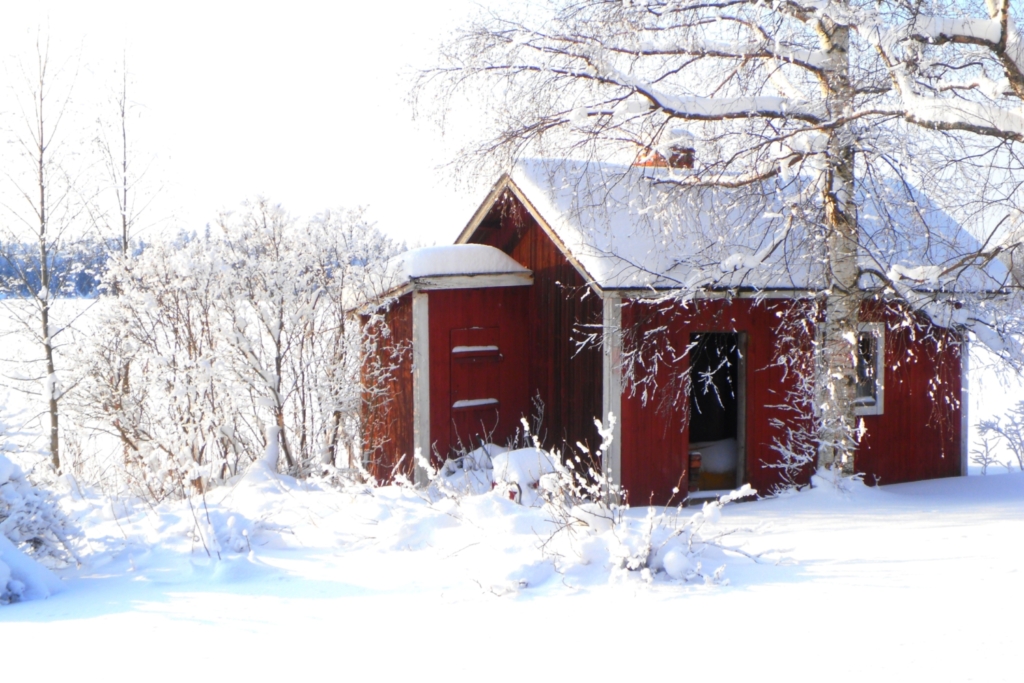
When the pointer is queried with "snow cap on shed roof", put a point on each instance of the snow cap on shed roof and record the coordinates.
(457, 266)
(456, 259)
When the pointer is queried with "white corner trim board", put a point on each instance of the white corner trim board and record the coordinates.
(421, 381)
(612, 382)
(965, 402)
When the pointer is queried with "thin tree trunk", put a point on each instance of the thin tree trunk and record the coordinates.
(50, 384)
(51, 387)
(333, 437)
(279, 408)
(124, 370)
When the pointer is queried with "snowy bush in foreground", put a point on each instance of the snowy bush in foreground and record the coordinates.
(21, 577)
(30, 518)
(464, 475)
(30, 524)
(584, 521)
(592, 525)
(673, 541)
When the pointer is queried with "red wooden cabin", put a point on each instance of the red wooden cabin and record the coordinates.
(546, 331)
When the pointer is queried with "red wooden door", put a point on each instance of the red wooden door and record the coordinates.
(475, 385)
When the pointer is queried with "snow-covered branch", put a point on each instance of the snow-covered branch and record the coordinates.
(957, 115)
(998, 34)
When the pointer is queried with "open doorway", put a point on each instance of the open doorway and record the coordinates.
(717, 445)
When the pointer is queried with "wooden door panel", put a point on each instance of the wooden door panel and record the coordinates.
(475, 384)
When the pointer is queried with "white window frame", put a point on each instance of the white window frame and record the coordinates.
(877, 330)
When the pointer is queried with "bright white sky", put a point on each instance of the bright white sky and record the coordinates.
(304, 103)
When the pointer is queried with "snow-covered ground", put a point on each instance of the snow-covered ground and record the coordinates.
(909, 582)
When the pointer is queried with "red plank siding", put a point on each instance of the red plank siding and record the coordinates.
(387, 413)
(917, 437)
(561, 311)
(655, 433)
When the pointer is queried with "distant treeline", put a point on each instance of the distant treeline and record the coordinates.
(75, 268)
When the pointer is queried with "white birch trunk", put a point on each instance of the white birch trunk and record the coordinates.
(837, 335)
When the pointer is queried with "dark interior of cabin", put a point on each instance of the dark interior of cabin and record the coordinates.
(714, 387)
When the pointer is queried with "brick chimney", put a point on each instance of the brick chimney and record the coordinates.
(674, 150)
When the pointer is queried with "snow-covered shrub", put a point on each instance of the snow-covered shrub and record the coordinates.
(584, 520)
(32, 528)
(835, 481)
(983, 454)
(528, 475)
(576, 480)
(1007, 429)
(592, 525)
(679, 544)
(30, 517)
(683, 544)
(21, 577)
(211, 341)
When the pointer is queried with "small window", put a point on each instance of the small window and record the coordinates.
(870, 369)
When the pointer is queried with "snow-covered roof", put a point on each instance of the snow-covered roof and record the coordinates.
(630, 232)
(452, 266)
(634, 228)
(457, 266)
(450, 261)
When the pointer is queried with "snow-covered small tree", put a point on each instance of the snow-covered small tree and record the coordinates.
(983, 454)
(1007, 429)
(824, 116)
(293, 342)
(148, 373)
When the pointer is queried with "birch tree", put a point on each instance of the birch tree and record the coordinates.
(827, 110)
(125, 169)
(43, 204)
